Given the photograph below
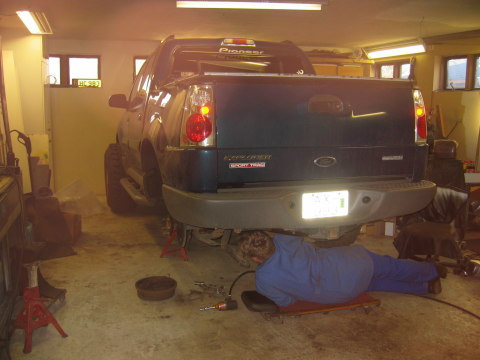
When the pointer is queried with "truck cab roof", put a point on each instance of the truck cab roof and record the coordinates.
(186, 57)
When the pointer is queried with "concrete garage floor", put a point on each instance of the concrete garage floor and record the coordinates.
(105, 319)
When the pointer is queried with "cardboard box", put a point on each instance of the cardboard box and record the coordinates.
(74, 226)
(390, 228)
(376, 228)
(386, 227)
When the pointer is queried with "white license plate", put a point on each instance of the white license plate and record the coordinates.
(324, 204)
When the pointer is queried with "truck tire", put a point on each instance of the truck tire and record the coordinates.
(117, 198)
(348, 237)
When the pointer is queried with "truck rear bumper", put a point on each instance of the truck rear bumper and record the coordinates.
(281, 208)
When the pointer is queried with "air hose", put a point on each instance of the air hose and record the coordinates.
(449, 304)
(236, 279)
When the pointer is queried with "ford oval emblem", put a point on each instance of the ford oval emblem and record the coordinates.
(325, 161)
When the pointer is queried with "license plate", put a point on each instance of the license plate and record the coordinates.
(324, 204)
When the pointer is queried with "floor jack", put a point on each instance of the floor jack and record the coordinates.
(34, 313)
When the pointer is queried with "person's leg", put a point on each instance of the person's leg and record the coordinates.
(389, 285)
(401, 275)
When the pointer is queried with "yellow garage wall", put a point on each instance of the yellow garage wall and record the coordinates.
(82, 122)
(24, 88)
(460, 108)
(461, 113)
(28, 68)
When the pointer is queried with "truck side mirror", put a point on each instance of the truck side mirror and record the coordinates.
(118, 100)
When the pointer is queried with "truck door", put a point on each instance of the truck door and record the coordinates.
(135, 118)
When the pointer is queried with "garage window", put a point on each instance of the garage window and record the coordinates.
(138, 61)
(386, 71)
(395, 70)
(54, 70)
(74, 71)
(405, 71)
(456, 73)
(461, 72)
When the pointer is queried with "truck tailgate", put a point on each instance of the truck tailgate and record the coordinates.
(311, 128)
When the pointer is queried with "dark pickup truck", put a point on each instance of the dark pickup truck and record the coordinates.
(241, 134)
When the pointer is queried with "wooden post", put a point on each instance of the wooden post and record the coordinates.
(440, 122)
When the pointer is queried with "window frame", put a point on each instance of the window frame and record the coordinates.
(65, 68)
(469, 76)
(476, 58)
(397, 64)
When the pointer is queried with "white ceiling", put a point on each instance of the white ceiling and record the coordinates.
(341, 23)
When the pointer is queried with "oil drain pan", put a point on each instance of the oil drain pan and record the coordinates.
(156, 288)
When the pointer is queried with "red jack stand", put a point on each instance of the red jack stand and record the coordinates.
(173, 252)
(34, 313)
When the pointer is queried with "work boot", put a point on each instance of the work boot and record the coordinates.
(435, 286)
(442, 270)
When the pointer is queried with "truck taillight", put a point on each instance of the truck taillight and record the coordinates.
(420, 118)
(198, 126)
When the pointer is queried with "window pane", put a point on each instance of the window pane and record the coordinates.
(83, 68)
(477, 73)
(456, 73)
(138, 64)
(386, 71)
(404, 71)
(54, 70)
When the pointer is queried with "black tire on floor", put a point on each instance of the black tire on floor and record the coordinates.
(117, 198)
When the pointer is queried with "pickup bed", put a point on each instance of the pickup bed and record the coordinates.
(241, 134)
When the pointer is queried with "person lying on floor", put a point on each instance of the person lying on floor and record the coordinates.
(291, 270)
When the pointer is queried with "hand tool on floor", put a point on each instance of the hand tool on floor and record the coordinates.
(211, 288)
(228, 304)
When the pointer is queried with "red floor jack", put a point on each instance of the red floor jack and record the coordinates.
(34, 313)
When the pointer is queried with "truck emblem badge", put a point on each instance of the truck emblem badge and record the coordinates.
(246, 165)
(248, 157)
(240, 51)
(392, 157)
(325, 161)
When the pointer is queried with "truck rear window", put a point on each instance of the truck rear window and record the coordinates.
(189, 61)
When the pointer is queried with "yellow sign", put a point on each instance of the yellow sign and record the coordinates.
(87, 82)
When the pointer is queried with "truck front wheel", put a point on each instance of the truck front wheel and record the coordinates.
(117, 198)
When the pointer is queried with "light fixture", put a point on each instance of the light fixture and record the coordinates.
(257, 5)
(395, 49)
(36, 22)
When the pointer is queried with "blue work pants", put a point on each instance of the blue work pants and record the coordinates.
(400, 275)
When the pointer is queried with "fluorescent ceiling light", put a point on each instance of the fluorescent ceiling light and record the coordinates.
(36, 22)
(257, 5)
(395, 50)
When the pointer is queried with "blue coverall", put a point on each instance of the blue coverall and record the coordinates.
(299, 271)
